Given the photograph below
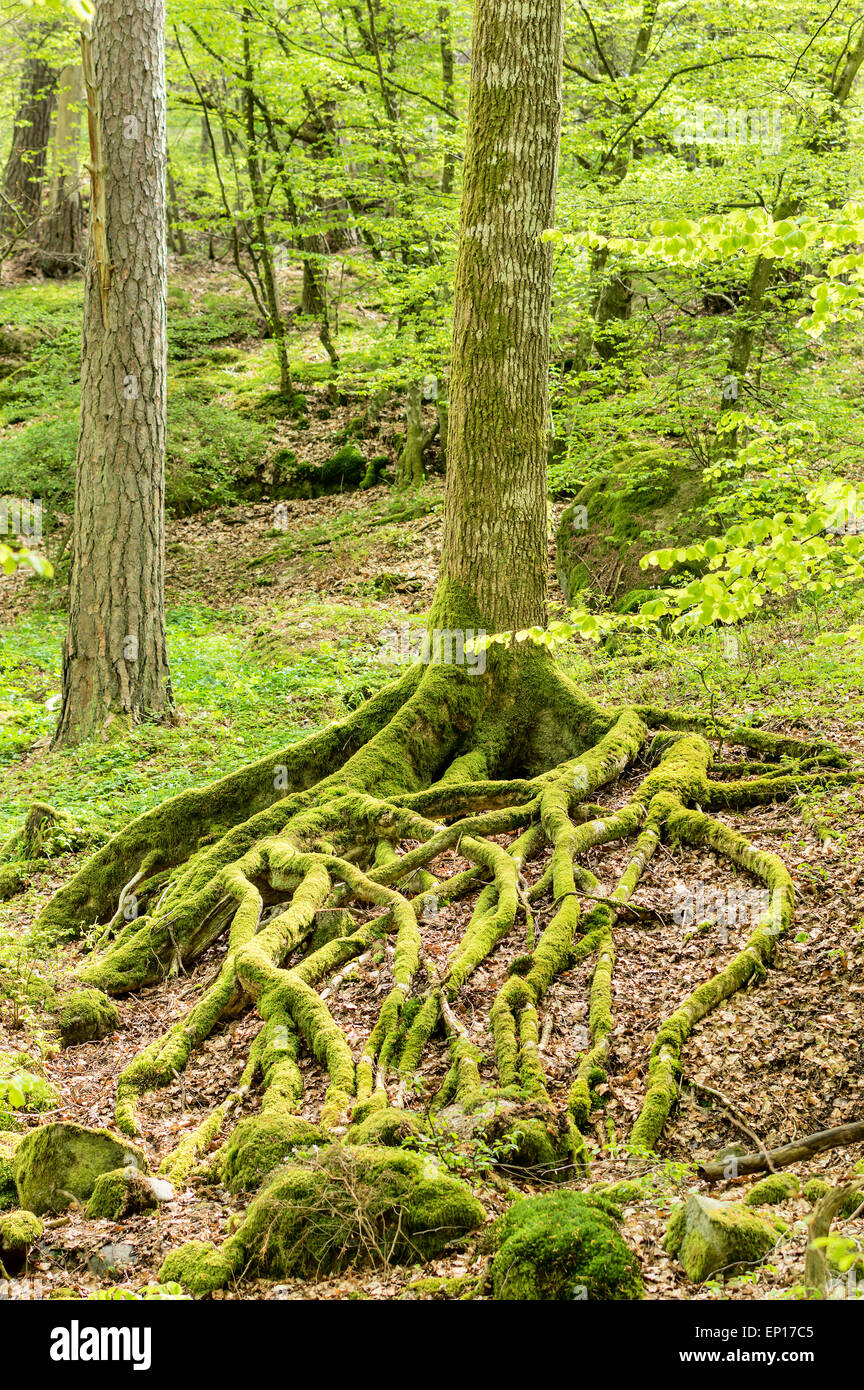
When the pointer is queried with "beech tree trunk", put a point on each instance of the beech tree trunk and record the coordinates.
(63, 224)
(494, 561)
(25, 170)
(115, 661)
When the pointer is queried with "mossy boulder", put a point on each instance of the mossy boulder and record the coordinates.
(86, 1015)
(8, 1191)
(352, 1206)
(817, 1188)
(563, 1246)
(198, 1267)
(18, 1231)
(771, 1191)
(12, 881)
(708, 1236)
(527, 1137)
(259, 1144)
(344, 471)
(126, 1192)
(56, 1165)
(389, 1126)
(638, 501)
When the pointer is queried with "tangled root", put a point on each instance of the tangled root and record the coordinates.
(311, 858)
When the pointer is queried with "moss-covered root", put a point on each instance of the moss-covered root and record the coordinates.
(697, 828)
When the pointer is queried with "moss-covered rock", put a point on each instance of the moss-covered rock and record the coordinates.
(12, 881)
(126, 1192)
(634, 504)
(817, 1188)
(561, 1246)
(389, 1126)
(86, 1015)
(259, 1144)
(9, 1142)
(18, 1231)
(353, 1205)
(709, 1236)
(345, 471)
(771, 1191)
(198, 1267)
(59, 1163)
(525, 1136)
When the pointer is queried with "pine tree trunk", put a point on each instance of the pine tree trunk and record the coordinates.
(25, 170)
(63, 224)
(494, 560)
(115, 656)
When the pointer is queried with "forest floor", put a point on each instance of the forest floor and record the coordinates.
(274, 631)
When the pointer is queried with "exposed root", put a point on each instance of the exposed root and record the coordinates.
(348, 828)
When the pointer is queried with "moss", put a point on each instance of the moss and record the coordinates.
(12, 881)
(675, 1229)
(56, 1164)
(261, 1143)
(776, 1188)
(120, 1193)
(817, 1188)
(86, 1015)
(199, 1267)
(461, 1286)
(563, 1246)
(353, 1206)
(389, 1126)
(8, 1191)
(709, 1236)
(18, 1230)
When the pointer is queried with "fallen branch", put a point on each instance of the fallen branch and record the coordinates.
(795, 1152)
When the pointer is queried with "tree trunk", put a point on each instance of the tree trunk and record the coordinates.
(25, 171)
(263, 252)
(494, 559)
(115, 660)
(63, 225)
(445, 39)
(409, 464)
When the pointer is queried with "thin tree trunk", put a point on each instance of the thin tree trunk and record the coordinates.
(494, 559)
(63, 225)
(115, 660)
(445, 37)
(25, 170)
(263, 249)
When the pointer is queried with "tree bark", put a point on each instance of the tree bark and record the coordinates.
(62, 229)
(494, 559)
(25, 170)
(115, 660)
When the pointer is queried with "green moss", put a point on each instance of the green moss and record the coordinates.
(8, 1191)
(709, 1236)
(776, 1188)
(261, 1143)
(12, 881)
(57, 1163)
(198, 1266)
(85, 1015)
(563, 1246)
(353, 1206)
(461, 1286)
(389, 1126)
(817, 1188)
(120, 1193)
(18, 1231)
